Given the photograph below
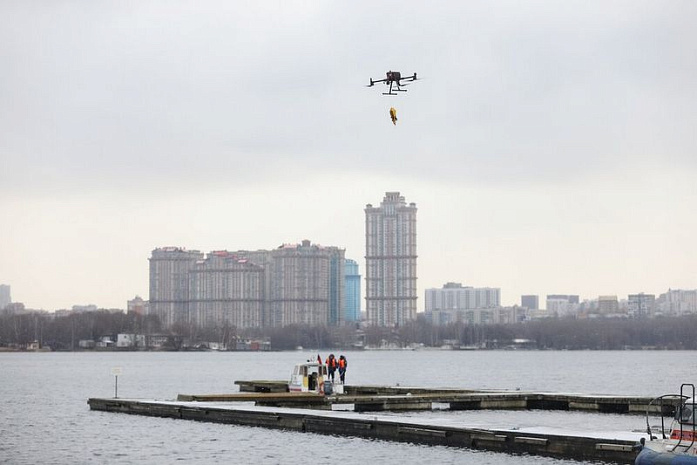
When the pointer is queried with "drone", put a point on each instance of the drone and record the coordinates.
(394, 78)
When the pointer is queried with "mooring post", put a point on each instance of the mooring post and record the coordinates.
(116, 371)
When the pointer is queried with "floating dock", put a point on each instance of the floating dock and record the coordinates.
(400, 398)
(276, 408)
(618, 447)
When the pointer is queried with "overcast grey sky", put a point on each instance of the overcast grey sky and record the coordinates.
(550, 147)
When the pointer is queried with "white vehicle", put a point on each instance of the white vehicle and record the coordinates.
(680, 448)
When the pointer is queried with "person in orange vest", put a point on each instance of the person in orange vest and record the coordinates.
(342, 368)
(331, 366)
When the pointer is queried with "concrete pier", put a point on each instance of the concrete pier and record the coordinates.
(617, 447)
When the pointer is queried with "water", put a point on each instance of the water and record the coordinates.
(44, 417)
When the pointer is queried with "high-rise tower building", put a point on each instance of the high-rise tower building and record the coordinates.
(307, 285)
(226, 289)
(293, 284)
(390, 254)
(169, 283)
(353, 292)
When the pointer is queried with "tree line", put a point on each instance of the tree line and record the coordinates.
(65, 332)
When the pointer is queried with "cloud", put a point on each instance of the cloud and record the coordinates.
(115, 94)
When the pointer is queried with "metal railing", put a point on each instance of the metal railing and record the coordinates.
(686, 415)
(662, 411)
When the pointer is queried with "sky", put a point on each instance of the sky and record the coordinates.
(549, 146)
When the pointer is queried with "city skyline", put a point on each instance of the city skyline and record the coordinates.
(421, 297)
(549, 147)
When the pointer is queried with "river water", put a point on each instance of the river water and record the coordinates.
(44, 416)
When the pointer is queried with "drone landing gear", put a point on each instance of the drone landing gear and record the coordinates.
(392, 91)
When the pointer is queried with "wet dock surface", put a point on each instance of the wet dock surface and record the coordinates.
(268, 404)
(396, 398)
(618, 447)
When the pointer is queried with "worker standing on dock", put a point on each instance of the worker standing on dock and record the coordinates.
(342, 368)
(331, 366)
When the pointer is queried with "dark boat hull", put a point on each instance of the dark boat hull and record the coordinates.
(651, 457)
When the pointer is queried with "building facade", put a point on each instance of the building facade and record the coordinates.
(479, 316)
(5, 297)
(641, 305)
(562, 304)
(353, 292)
(454, 303)
(455, 296)
(169, 283)
(225, 289)
(262, 258)
(608, 305)
(293, 284)
(531, 302)
(138, 305)
(390, 239)
(307, 285)
(677, 302)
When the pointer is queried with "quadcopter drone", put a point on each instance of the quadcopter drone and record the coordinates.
(395, 80)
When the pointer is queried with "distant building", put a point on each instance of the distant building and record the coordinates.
(479, 316)
(457, 303)
(307, 285)
(677, 302)
(641, 305)
(130, 340)
(562, 304)
(531, 302)
(263, 259)
(137, 305)
(84, 308)
(104, 342)
(86, 344)
(453, 298)
(253, 345)
(293, 284)
(353, 292)
(226, 289)
(588, 306)
(15, 308)
(608, 305)
(169, 283)
(390, 242)
(5, 298)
